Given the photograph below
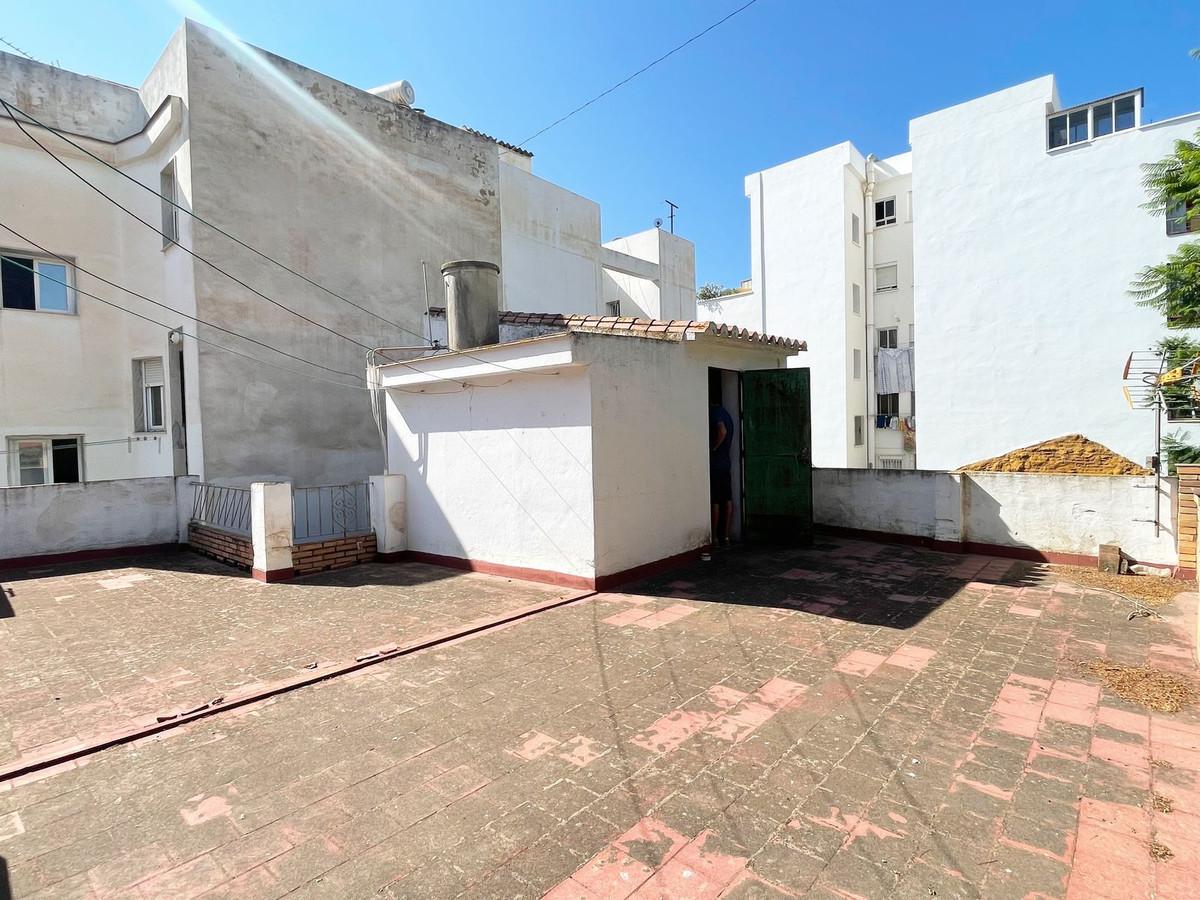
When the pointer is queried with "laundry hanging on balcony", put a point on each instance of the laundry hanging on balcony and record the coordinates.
(893, 370)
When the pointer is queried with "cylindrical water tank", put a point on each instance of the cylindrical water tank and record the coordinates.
(472, 303)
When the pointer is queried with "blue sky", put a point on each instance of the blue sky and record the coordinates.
(782, 79)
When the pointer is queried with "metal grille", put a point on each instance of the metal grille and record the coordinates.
(227, 508)
(330, 510)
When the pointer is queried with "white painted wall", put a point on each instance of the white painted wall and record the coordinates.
(500, 474)
(1055, 513)
(65, 518)
(1023, 261)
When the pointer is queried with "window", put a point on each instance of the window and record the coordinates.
(1097, 120)
(854, 228)
(44, 460)
(148, 405)
(612, 308)
(856, 299)
(889, 338)
(885, 211)
(886, 278)
(887, 405)
(891, 462)
(1178, 221)
(857, 363)
(27, 282)
(170, 215)
(858, 431)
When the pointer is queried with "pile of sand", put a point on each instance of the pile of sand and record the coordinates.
(1072, 454)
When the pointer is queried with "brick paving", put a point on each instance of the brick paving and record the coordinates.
(852, 720)
(107, 648)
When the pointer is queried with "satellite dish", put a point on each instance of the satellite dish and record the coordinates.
(658, 223)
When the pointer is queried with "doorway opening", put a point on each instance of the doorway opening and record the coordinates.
(724, 388)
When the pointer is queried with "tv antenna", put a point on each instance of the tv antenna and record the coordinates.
(671, 214)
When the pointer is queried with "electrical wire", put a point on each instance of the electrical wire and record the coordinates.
(165, 306)
(8, 260)
(65, 137)
(640, 71)
(176, 243)
(26, 54)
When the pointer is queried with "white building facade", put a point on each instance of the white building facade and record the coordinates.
(984, 273)
(356, 193)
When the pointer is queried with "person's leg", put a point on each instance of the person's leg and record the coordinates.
(728, 521)
(716, 515)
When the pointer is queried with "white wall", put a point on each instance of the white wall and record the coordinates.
(1051, 513)
(663, 289)
(499, 474)
(64, 518)
(1023, 261)
(550, 246)
(650, 443)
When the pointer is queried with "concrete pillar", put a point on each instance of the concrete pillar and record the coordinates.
(388, 514)
(271, 530)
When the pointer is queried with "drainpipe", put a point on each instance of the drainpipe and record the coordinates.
(762, 256)
(868, 220)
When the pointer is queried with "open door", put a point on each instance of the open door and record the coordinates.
(777, 456)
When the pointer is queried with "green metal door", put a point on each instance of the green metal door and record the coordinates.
(777, 456)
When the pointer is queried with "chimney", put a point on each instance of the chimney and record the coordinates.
(472, 303)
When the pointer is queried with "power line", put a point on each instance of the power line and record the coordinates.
(8, 260)
(186, 250)
(172, 309)
(643, 69)
(64, 137)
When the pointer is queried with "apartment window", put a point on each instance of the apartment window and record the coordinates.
(170, 215)
(858, 431)
(887, 405)
(857, 363)
(44, 460)
(885, 211)
(27, 282)
(891, 462)
(612, 308)
(856, 299)
(889, 338)
(855, 228)
(148, 390)
(887, 278)
(1078, 125)
(1178, 221)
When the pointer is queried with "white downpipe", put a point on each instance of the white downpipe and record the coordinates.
(869, 301)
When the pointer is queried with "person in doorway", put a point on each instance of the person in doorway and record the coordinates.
(720, 468)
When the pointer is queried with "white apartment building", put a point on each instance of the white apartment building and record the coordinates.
(969, 296)
(353, 189)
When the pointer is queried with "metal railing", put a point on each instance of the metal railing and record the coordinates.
(227, 508)
(330, 510)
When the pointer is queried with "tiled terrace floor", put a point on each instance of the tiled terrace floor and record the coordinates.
(852, 720)
(103, 648)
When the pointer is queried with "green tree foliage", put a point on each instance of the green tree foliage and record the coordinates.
(1180, 399)
(710, 290)
(1173, 286)
(1178, 451)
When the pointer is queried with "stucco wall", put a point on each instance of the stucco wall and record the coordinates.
(1023, 261)
(65, 518)
(499, 474)
(1051, 513)
(650, 443)
(72, 374)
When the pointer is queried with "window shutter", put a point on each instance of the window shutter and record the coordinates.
(139, 409)
(152, 372)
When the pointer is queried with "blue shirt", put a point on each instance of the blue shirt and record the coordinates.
(718, 459)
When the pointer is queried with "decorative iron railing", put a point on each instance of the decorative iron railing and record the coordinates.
(222, 507)
(330, 510)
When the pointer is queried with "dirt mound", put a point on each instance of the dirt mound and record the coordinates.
(1072, 454)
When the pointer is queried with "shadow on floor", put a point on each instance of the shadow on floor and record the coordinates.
(6, 608)
(875, 584)
(5, 885)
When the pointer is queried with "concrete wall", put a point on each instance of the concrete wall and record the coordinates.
(67, 518)
(1070, 514)
(656, 279)
(1023, 261)
(649, 403)
(72, 374)
(501, 473)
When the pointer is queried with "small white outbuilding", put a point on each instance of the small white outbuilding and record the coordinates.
(576, 450)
